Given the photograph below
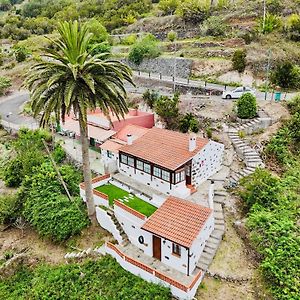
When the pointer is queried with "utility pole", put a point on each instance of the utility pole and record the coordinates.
(264, 17)
(174, 71)
(267, 73)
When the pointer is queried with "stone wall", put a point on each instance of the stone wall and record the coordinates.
(165, 66)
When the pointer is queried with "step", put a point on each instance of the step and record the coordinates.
(207, 256)
(219, 199)
(218, 215)
(218, 207)
(217, 234)
(220, 193)
(220, 227)
(212, 244)
(250, 169)
(202, 265)
(219, 222)
(210, 251)
(235, 177)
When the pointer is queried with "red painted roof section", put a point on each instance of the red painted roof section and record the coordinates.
(112, 145)
(135, 130)
(166, 148)
(178, 220)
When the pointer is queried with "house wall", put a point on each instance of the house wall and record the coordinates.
(199, 243)
(142, 119)
(106, 222)
(110, 163)
(207, 162)
(179, 190)
(178, 263)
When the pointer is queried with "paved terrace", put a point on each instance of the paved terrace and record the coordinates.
(138, 255)
(146, 190)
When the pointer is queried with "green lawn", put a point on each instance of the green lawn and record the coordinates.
(115, 193)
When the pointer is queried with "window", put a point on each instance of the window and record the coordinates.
(179, 176)
(165, 175)
(124, 159)
(147, 168)
(131, 161)
(176, 249)
(109, 154)
(140, 165)
(157, 172)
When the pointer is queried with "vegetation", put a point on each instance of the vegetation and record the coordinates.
(75, 79)
(272, 205)
(9, 207)
(239, 60)
(286, 75)
(147, 47)
(269, 24)
(214, 26)
(100, 279)
(115, 193)
(150, 97)
(172, 36)
(293, 27)
(246, 106)
(188, 122)
(5, 83)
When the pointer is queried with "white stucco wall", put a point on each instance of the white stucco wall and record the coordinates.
(199, 243)
(207, 162)
(179, 190)
(99, 183)
(176, 262)
(132, 227)
(150, 277)
(106, 222)
(110, 163)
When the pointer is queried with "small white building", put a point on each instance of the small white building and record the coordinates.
(171, 162)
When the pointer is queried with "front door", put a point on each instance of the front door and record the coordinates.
(156, 247)
(188, 175)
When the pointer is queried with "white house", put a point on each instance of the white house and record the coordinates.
(171, 162)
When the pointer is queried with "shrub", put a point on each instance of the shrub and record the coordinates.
(9, 208)
(213, 26)
(147, 47)
(294, 105)
(246, 106)
(5, 83)
(59, 154)
(269, 24)
(168, 6)
(150, 97)
(239, 60)
(275, 6)
(21, 54)
(172, 36)
(286, 75)
(194, 11)
(99, 32)
(130, 39)
(293, 27)
(188, 122)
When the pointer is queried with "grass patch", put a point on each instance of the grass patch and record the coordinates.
(101, 279)
(116, 193)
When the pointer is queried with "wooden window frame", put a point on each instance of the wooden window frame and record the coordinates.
(176, 249)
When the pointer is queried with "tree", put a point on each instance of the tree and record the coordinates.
(286, 75)
(150, 97)
(189, 123)
(167, 109)
(72, 79)
(239, 60)
(246, 106)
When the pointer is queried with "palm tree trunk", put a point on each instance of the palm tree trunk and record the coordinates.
(86, 167)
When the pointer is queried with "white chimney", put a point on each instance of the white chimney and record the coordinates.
(211, 194)
(192, 143)
(129, 139)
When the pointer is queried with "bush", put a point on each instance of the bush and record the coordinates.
(213, 26)
(9, 208)
(59, 154)
(246, 106)
(21, 54)
(271, 23)
(294, 105)
(47, 207)
(150, 97)
(130, 39)
(293, 27)
(194, 11)
(147, 47)
(5, 83)
(172, 36)
(286, 75)
(239, 60)
(189, 122)
(168, 6)
(99, 32)
(275, 6)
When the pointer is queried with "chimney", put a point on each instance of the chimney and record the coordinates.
(129, 139)
(211, 194)
(192, 143)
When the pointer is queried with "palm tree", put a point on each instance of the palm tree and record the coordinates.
(70, 78)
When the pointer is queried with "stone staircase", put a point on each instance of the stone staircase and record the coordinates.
(248, 154)
(98, 251)
(216, 236)
(119, 227)
(192, 188)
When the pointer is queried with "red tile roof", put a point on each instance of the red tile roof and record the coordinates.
(178, 220)
(112, 145)
(166, 148)
(135, 130)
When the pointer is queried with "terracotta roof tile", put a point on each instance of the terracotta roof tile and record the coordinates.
(178, 220)
(112, 145)
(166, 148)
